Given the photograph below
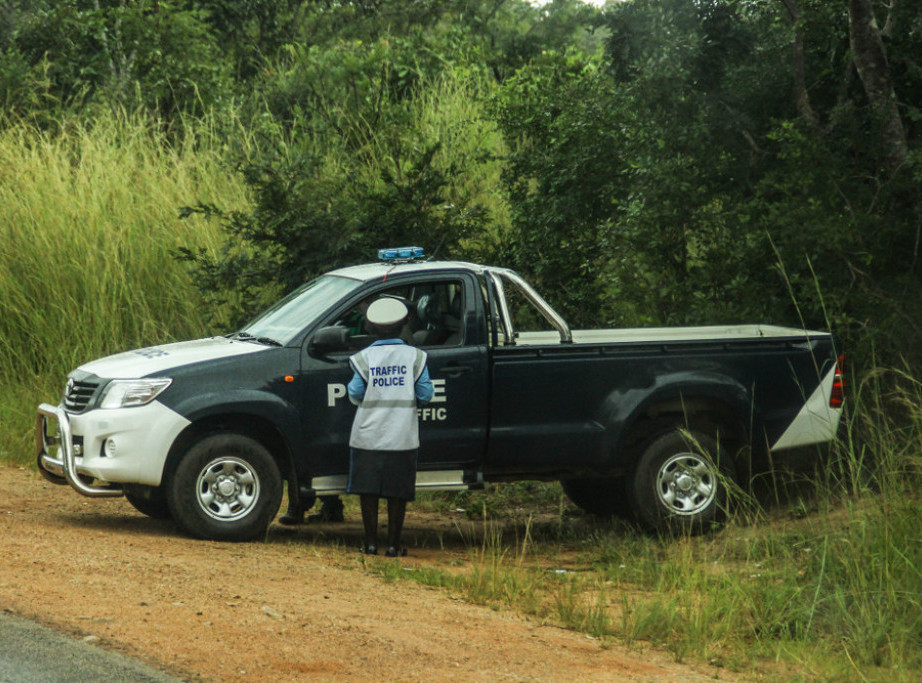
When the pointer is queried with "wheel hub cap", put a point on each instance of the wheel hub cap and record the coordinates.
(686, 484)
(227, 489)
(226, 486)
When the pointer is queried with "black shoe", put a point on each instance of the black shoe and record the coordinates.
(326, 516)
(292, 518)
(396, 552)
(369, 549)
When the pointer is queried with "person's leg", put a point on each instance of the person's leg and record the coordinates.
(369, 503)
(293, 516)
(295, 513)
(331, 510)
(396, 511)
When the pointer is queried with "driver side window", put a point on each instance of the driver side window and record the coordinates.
(439, 315)
(436, 315)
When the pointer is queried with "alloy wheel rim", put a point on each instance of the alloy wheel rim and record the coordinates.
(227, 489)
(686, 484)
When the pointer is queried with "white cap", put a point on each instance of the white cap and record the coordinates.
(386, 312)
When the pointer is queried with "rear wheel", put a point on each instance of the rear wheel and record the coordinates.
(227, 487)
(680, 483)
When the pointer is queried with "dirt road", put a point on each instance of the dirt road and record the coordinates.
(301, 605)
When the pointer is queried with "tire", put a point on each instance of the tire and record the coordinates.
(227, 487)
(148, 500)
(680, 483)
(603, 497)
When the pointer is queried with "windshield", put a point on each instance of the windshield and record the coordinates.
(299, 309)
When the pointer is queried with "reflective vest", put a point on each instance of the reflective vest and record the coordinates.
(386, 418)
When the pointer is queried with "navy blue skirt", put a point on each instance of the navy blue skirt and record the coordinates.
(389, 474)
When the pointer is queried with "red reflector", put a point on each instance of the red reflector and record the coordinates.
(837, 396)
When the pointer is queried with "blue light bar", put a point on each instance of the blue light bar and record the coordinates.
(401, 254)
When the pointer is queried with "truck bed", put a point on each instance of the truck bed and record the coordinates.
(666, 334)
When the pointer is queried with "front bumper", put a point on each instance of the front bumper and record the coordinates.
(109, 447)
(63, 469)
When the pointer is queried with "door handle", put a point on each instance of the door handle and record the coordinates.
(456, 370)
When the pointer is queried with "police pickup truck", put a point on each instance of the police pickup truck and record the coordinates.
(658, 422)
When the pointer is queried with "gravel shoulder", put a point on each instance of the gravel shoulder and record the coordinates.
(300, 605)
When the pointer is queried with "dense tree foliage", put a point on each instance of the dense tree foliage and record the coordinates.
(648, 162)
(153, 54)
(723, 160)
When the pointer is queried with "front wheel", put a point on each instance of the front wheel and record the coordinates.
(680, 483)
(227, 487)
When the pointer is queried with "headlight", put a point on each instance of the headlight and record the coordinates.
(128, 393)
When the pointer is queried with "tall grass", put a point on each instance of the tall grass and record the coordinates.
(88, 222)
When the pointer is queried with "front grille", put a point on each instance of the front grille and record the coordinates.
(77, 395)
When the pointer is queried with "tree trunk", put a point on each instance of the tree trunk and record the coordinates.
(801, 96)
(870, 57)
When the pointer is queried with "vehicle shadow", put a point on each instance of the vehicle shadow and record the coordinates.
(786, 491)
(428, 532)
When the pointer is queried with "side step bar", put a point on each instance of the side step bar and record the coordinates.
(428, 480)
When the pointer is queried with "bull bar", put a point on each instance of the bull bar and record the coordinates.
(63, 470)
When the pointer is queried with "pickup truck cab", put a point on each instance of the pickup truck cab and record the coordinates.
(655, 421)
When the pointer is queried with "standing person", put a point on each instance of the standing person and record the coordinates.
(390, 380)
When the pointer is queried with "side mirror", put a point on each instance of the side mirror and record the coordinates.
(330, 339)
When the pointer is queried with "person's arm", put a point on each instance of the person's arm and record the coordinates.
(424, 390)
(356, 388)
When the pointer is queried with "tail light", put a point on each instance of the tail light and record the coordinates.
(837, 397)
